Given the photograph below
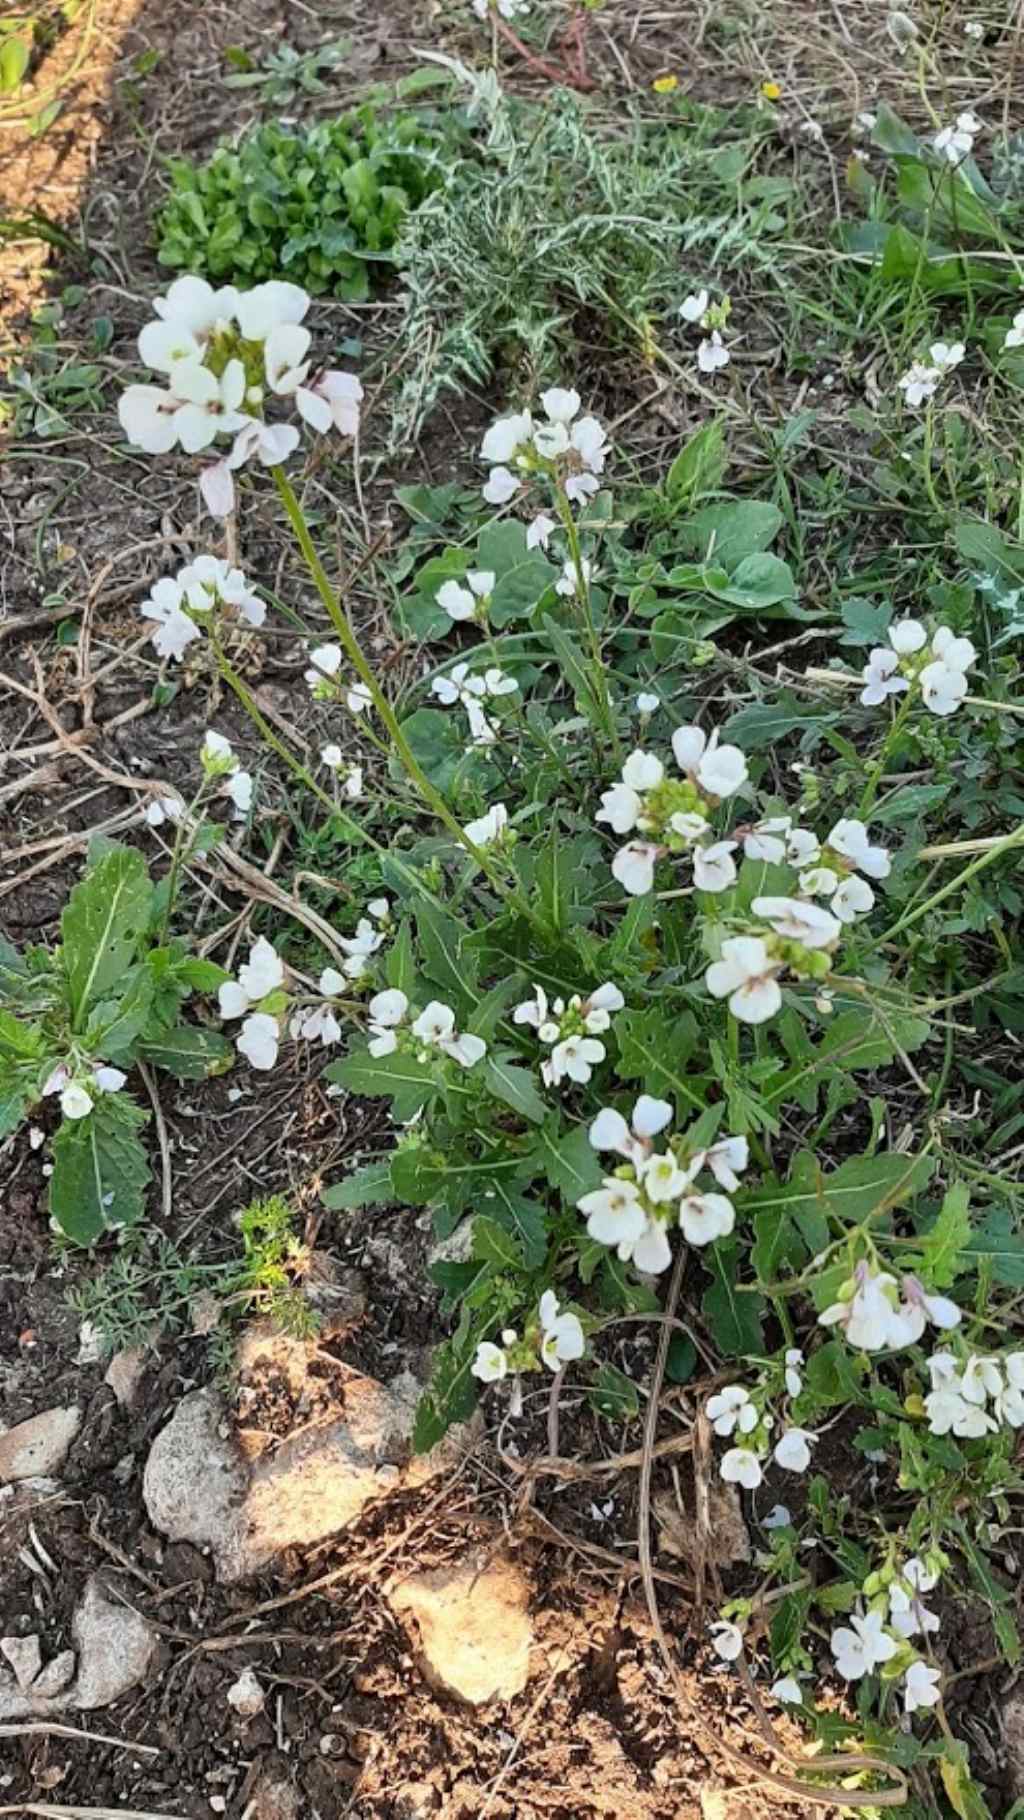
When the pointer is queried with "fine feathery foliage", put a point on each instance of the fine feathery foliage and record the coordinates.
(316, 206)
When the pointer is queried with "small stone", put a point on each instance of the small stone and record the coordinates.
(194, 1479)
(1011, 1719)
(124, 1374)
(218, 1804)
(90, 1344)
(56, 1676)
(246, 1695)
(115, 1648)
(457, 1248)
(273, 1796)
(473, 1627)
(24, 1656)
(40, 1445)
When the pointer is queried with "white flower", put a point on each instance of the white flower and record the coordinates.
(462, 603)
(740, 1466)
(946, 355)
(109, 1080)
(788, 1690)
(148, 417)
(568, 582)
(973, 28)
(854, 898)
(332, 400)
(208, 405)
(175, 630)
(713, 354)
(575, 1056)
(360, 946)
(868, 1315)
(949, 1412)
(651, 1252)
(75, 1101)
(714, 868)
(210, 579)
(621, 807)
(599, 1005)
(794, 1381)
(501, 486)
(646, 703)
(703, 1218)
(956, 653)
(919, 383)
(918, 1307)
(726, 1160)
(765, 841)
(908, 1615)
(793, 1450)
(922, 1687)
(694, 307)
(614, 1213)
(863, 1647)
(506, 437)
(562, 1334)
(609, 1130)
(317, 1021)
(850, 838)
(819, 882)
(942, 688)
(881, 677)
(326, 662)
(663, 1179)
(487, 828)
(726, 1407)
(561, 405)
(239, 788)
(726, 1640)
(258, 1040)
(719, 770)
(907, 636)
(746, 974)
(539, 531)
(1014, 337)
(163, 809)
(263, 972)
(778, 1518)
(490, 1363)
(799, 921)
(633, 867)
(802, 848)
(435, 1028)
(955, 143)
(358, 698)
(387, 1010)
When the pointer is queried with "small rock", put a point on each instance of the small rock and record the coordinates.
(115, 1648)
(90, 1344)
(417, 1801)
(124, 1374)
(457, 1248)
(24, 1656)
(246, 1695)
(473, 1628)
(194, 1479)
(1012, 1721)
(273, 1796)
(56, 1676)
(40, 1445)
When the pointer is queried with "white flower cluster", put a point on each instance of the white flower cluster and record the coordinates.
(569, 447)
(697, 310)
(675, 810)
(471, 691)
(883, 1632)
(939, 670)
(654, 1189)
(489, 829)
(78, 1089)
(462, 603)
(222, 351)
(956, 1403)
(184, 603)
(923, 377)
(322, 679)
(218, 759)
(572, 1029)
(432, 1030)
(350, 775)
(366, 941)
(558, 1338)
(259, 978)
(873, 1314)
(956, 142)
(734, 1411)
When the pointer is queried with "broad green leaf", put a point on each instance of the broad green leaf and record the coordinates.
(1000, 1245)
(400, 961)
(103, 921)
(833, 1375)
(451, 1395)
(681, 1361)
(613, 1395)
(100, 1171)
(962, 1792)
(891, 135)
(734, 1317)
(406, 1081)
(762, 725)
(438, 744)
(866, 624)
(523, 1219)
(574, 668)
(571, 1165)
(778, 1246)
(23, 1067)
(14, 59)
(699, 466)
(759, 582)
(367, 1187)
(200, 975)
(725, 534)
(859, 1188)
(447, 962)
(115, 1022)
(514, 1085)
(943, 1245)
(189, 1052)
(517, 592)
(494, 1244)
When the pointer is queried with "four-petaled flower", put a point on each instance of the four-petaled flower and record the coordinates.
(561, 1334)
(862, 1646)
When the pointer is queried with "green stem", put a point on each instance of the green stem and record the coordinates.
(985, 859)
(350, 644)
(569, 526)
(181, 836)
(876, 770)
(926, 456)
(265, 730)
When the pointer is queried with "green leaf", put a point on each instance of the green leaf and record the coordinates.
(451, 1394)
(23, 1061)
(890, 134)
(725, 534)
(681, 1362)
(734, 1318)
(517, 592)
(962, 1792)
(524, 1220)
(762, 725)
(367, 1187)
(115, 1023)
(999, 1244)
(406, 1081)
(103, 921)
(699, 466)
(859, 1188)
(778, 1246)
(574, 669)
(866, 624)
(447, 962)
(199, 975)
(100, 1170)
(943, 1245)
(613, 1395)
(760, 581)
(14, 58)
(655, 1049)
(189, 1052)
(400, 962)
(514, 1085)
(832, 1375)
(494, 1244)
(571, 1165)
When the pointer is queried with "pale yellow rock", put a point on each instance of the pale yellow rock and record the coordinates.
(471, 1627)
(38, 1446)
